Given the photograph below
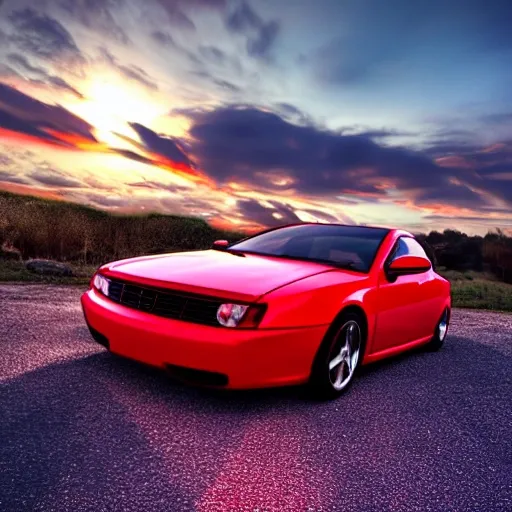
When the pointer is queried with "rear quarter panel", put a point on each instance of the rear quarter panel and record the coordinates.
(437, 298)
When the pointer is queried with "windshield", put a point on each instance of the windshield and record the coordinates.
(344, 246)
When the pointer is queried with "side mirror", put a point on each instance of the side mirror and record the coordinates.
(219, 245)
(408, 265)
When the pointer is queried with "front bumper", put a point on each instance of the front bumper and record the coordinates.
(238, 358)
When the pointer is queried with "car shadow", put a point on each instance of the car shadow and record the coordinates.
(113, 434)
(389, 362)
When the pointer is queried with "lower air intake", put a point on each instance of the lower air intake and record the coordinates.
(200, 377)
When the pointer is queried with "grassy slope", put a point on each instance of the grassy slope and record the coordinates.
(41, 228)
(469, 289)
(479, 291)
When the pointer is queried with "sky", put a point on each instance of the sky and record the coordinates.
(256, 113)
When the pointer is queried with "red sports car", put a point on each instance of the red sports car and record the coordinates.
(305, 303)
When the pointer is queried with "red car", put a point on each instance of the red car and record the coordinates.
(305, 303)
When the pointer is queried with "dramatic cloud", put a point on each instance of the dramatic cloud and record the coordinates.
(44, 37)
(260, 148)
(11, 177)
(177, 17)
(326, 217)
(131, 72)
(374, 133)
(279, 213)
(192, 4)
(261, 35)
(232, 140)
(159, 144)
(262, 44)
(96, 15)
(502, 221)
(5, 160)
(24, 64)
(243, 18)
(10, 124)
(218, 82)
(164, 152)
(176, 10)
(212, 53)
(207, 4)
(24, 116)
(7, 73)
(53, 178)
(292, 113)
(163, 38)
(263, 112)
(153, 185)
(41, 75)
(51, 123)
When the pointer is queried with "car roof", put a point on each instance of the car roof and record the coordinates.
(395, 231)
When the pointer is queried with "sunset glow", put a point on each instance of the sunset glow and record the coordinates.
(249, 128)
(109, 107)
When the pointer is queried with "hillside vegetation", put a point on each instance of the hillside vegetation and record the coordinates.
(479, 268)
(478, 290)
(41, 228)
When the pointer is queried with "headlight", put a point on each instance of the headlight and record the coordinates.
(101, 284)
(238, 315)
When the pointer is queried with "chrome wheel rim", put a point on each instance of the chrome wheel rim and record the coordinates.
(344, 355)
(443, 326)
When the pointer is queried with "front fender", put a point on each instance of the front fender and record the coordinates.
(317, 300)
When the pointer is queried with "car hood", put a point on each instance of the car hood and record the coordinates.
(217, 273)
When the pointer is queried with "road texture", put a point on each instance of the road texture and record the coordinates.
(81, 429)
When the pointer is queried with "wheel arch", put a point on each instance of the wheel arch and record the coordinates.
(355, 308)
(358, 310)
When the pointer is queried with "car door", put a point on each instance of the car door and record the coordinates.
(400, 303)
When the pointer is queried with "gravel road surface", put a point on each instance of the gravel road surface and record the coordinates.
(82, 430)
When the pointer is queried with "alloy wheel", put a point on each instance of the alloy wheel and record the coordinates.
(443, 326)
(344, 355)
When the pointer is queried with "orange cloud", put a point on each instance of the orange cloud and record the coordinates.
(226, 224)
(30, 191)
(360, 193)
(454, 161)
(182, 170)
(436, 208)
(78, 142)
(24, 137)
(493, 148)
(74, 142)
(27, 119)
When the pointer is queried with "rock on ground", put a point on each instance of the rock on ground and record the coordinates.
(49, 268)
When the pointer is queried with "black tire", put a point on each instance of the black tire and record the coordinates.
(438, 339)
(321, 383)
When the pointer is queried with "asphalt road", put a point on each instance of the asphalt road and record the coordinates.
(81, 429)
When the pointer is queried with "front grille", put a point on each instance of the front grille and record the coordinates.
(166, 303)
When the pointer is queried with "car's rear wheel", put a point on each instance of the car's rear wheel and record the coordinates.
(338, 357)
(440, 333)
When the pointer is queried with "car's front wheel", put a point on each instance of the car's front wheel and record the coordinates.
(338, 357)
